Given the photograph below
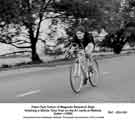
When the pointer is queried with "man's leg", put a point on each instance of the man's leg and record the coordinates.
(89, 48)
(83, 67)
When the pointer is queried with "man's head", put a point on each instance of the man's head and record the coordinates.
(80, 32)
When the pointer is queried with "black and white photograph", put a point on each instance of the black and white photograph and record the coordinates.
(67, 51)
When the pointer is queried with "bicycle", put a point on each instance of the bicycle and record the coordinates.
(77, 71)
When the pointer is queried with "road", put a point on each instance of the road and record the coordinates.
(46, 85)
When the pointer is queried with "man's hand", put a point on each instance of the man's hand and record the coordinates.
(72, 49)
(89, 48)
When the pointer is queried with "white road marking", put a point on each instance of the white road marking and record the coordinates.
(106, 73)
(28, 93)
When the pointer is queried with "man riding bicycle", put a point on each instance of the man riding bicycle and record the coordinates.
(83, 40)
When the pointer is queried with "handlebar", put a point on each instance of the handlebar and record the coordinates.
(76, 49)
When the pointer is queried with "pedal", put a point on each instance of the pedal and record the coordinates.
(85, 81)
(90, 69)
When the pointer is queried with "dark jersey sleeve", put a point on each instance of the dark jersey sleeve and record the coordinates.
(91, 39)
(74, 41)
(88, 39)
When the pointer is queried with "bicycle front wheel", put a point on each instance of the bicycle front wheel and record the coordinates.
(76, 77)
(93, 73)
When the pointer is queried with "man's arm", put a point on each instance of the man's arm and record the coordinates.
(89, 48)
(91, 38)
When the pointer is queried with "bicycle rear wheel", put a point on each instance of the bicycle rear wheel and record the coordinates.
(76, 76)
(93, 73)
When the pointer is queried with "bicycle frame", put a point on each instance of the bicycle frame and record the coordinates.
(79, 67)
(79, 54)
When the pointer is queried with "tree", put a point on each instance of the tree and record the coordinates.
(75, 12)
(115, 41)
(120, 23)
(28, 14)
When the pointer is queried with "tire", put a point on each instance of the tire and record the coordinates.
(76, 81)
(93, 73)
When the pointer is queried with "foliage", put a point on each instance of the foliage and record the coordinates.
(76, 12)
(116, 41)
(93, 14)
(26, 13)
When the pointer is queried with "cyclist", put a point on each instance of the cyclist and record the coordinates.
(83, 40)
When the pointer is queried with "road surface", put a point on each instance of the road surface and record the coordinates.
(46, 85)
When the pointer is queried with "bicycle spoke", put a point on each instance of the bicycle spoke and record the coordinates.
(76, 78)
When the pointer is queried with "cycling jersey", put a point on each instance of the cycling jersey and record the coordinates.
(88, 38)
